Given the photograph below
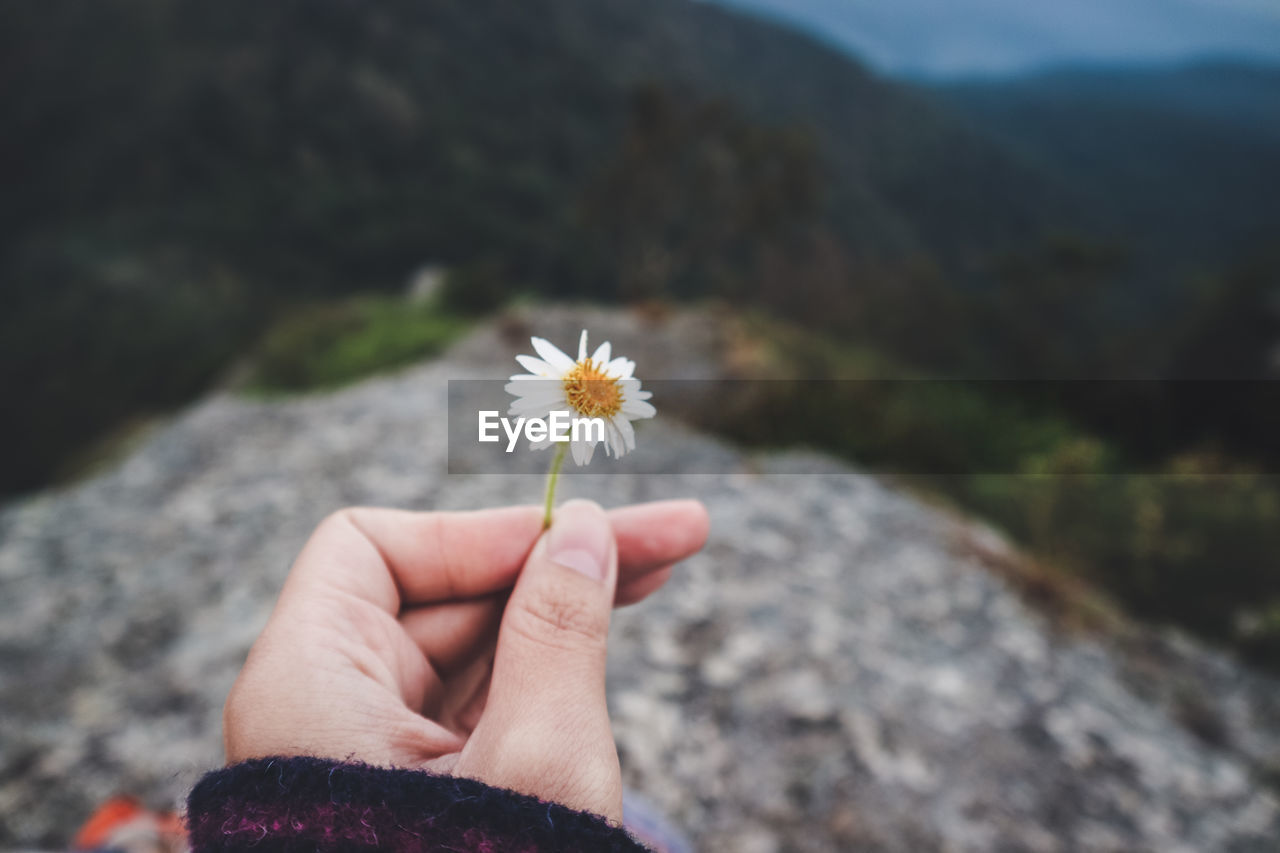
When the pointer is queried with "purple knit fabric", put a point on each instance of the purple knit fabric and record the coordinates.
(281, 805)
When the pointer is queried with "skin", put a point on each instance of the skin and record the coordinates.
(471, 644)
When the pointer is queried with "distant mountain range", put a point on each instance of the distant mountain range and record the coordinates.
(1184, 160)
(942, 39)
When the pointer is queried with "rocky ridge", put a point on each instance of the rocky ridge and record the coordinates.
(836, 671)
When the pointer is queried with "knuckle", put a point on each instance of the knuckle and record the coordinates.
(560, 622)
(333, 524)
(335, 518)
(344, 518)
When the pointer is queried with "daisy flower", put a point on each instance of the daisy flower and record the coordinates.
(595, 386)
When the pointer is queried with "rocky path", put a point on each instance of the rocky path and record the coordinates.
(837, 671)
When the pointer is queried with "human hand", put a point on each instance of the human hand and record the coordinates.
(462, 643)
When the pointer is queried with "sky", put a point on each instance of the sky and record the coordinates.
(942, 38)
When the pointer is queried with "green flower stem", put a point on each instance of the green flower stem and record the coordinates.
(552, 477)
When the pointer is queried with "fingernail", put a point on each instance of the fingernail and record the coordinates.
(580, 539)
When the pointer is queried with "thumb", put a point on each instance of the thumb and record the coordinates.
(545, 727)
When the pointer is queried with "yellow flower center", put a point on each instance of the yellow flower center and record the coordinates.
(591, 393)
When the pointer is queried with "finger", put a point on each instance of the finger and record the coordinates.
(638, 589)
(451, 635)
(272, 708)
(457, 555)
(545, 729)
(653, 535)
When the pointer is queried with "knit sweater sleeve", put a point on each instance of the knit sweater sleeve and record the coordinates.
(275, 805)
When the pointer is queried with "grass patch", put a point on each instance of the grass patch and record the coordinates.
(328, 345)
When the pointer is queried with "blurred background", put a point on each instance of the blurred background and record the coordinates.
(1066, 216)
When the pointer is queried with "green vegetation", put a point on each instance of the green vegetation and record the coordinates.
(331, 344)
(1189, 539)
(1194, 544)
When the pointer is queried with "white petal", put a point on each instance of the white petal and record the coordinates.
(608, 438)
(529, 409)
(582, 451)
(634, 409)
(617, 443)
(541, 444)
(601, 356)
(582, 347)
(541, 388)
(520, 386)
(627, 431)
(560, 362)
(523, 408)
(528, 404)
(538, 367)
(620, 368)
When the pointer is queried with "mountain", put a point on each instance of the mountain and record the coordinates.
(177, 173)
(180, 174)
(1002, 37)
(302, 117)
(1234, 96)
(1184, 159)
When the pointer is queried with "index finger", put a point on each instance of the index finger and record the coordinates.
(446, 556)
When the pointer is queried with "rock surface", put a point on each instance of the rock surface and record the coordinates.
(836, 671)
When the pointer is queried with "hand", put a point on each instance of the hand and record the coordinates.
(463, 643)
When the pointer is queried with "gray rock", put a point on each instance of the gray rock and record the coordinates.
(831, 673)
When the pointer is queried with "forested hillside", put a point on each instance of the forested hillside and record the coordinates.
(177, 173)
